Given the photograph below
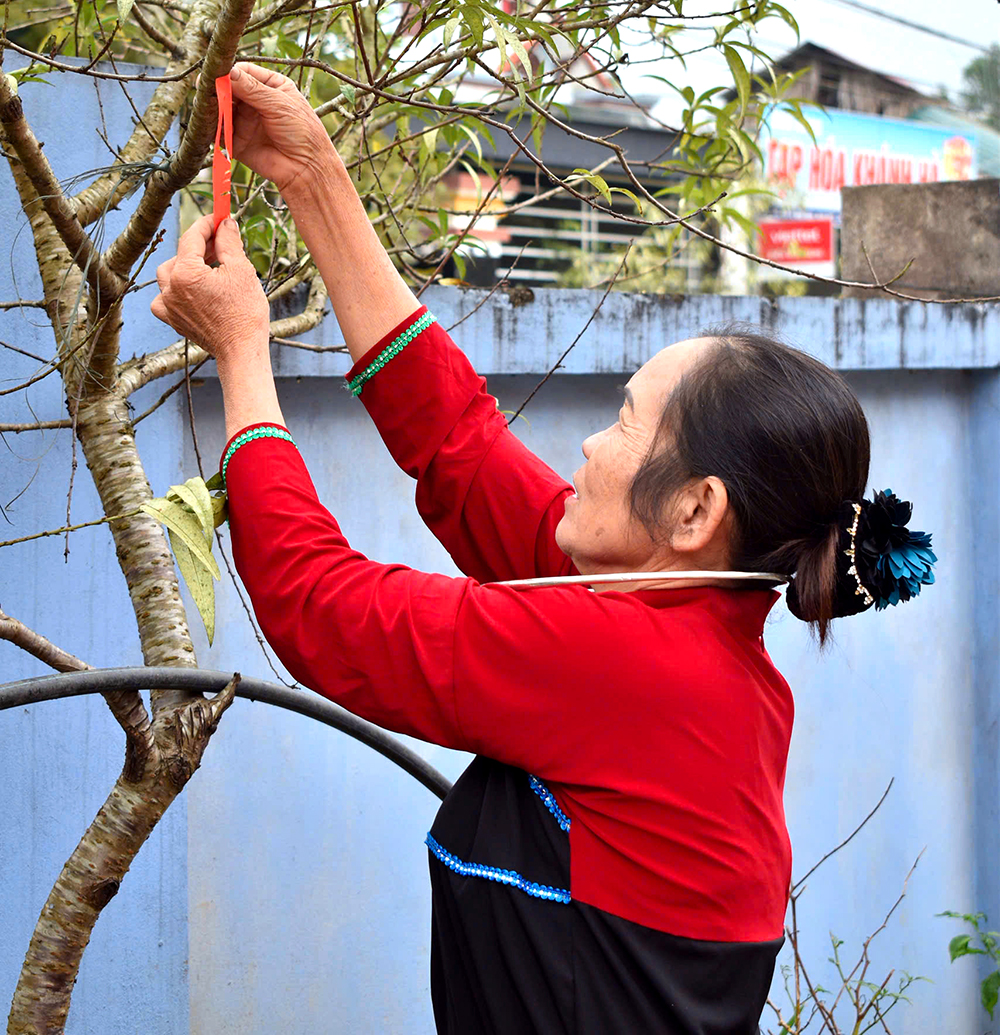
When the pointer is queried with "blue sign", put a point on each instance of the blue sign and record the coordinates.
(852, 150)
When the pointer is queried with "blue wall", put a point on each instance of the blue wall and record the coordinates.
(287, 889)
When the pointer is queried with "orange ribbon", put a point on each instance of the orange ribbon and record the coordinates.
(222, 161)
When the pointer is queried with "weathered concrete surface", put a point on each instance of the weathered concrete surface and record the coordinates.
(951, 231)
(528, 336)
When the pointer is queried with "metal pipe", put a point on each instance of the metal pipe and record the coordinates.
(75, 684)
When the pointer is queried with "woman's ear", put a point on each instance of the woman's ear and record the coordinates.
(700, 517)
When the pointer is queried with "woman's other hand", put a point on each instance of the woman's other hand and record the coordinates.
(275, 131)
(224, 308)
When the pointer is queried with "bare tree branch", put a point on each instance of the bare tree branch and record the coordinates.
(187, 160)
(16, 632)
(18, 133)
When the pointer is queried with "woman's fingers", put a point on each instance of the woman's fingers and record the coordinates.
(163, 272)
(228, 244)
(195, 240)
(255, 85)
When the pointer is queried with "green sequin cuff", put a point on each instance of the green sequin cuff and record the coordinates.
(393, 349)
(261, 431)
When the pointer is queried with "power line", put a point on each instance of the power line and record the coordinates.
(911, 25)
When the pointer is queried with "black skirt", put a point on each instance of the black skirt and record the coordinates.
(513, 954)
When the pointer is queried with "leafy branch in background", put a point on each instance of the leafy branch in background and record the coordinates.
(979, 943)
(857, 1003)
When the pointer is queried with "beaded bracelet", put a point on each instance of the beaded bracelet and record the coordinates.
(393, 349)
(263, 431)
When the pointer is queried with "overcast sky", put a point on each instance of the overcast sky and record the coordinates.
(923, 60)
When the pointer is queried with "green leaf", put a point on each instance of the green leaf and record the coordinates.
(785, 15)
(198, 582)
(740, 75)
(796, 112)
(989, 991)
(348, 91)
(597, 182)
(628, 194)
(474, 20)
(522, 55)
(501, 38)
(959, 946)
(124, 9)
(220, 509)
(187, 526)
(12, 84)
(471, 134)
(449, 30)
(194, 492)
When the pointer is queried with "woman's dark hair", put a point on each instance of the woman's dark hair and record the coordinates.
(789, 440)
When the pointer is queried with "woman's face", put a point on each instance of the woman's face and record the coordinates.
(597, 531)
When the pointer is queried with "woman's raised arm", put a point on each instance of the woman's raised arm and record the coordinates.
(277, 134)
(492, 504)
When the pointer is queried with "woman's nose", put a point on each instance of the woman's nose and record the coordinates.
(590, 442)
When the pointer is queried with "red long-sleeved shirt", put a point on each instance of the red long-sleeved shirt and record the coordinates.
(655, 717)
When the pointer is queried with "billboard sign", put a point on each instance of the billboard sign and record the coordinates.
(852, 150)
(796, 241)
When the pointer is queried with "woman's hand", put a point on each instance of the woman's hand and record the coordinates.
(222, 309)
(275, 131)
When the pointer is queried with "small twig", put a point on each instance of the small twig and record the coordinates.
(833, 851)
(499, 285)
(169, 392)
(289, 343)
(590, 320)
(142, 77)
(42, 425)
(23, 304)
(70, 528)
(190, 405)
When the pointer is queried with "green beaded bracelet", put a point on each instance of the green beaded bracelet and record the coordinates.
(393, 349)
(265, 431)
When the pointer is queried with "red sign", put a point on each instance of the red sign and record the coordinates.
(796, 240)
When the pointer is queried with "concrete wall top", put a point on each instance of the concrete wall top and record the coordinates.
(528, 334)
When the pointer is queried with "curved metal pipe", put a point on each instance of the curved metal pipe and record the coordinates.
(75, 684)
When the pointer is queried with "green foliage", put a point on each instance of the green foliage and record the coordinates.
(982, 87)
(414, 94)
(980, 943)
(191, 513)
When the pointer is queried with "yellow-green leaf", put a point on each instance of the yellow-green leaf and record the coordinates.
(740, 75)
(501, 40)
(187, 526)
(198, 581)
(195, 494)
(449, 30)
(220, 509)
(522, 55)
(124, 9)
(12, 84)
(597, 182)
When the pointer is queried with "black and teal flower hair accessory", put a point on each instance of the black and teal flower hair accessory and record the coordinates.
(886, 563)
(899, 561)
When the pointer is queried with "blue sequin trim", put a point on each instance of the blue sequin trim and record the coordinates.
(509, 877)
(549, 800)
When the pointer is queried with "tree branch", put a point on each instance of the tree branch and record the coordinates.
(41, 425)
(16, 632)
(50, 194)
(188, 158)
(126, 705)
(149, 133)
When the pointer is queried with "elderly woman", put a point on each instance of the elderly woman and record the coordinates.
(615, 859)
